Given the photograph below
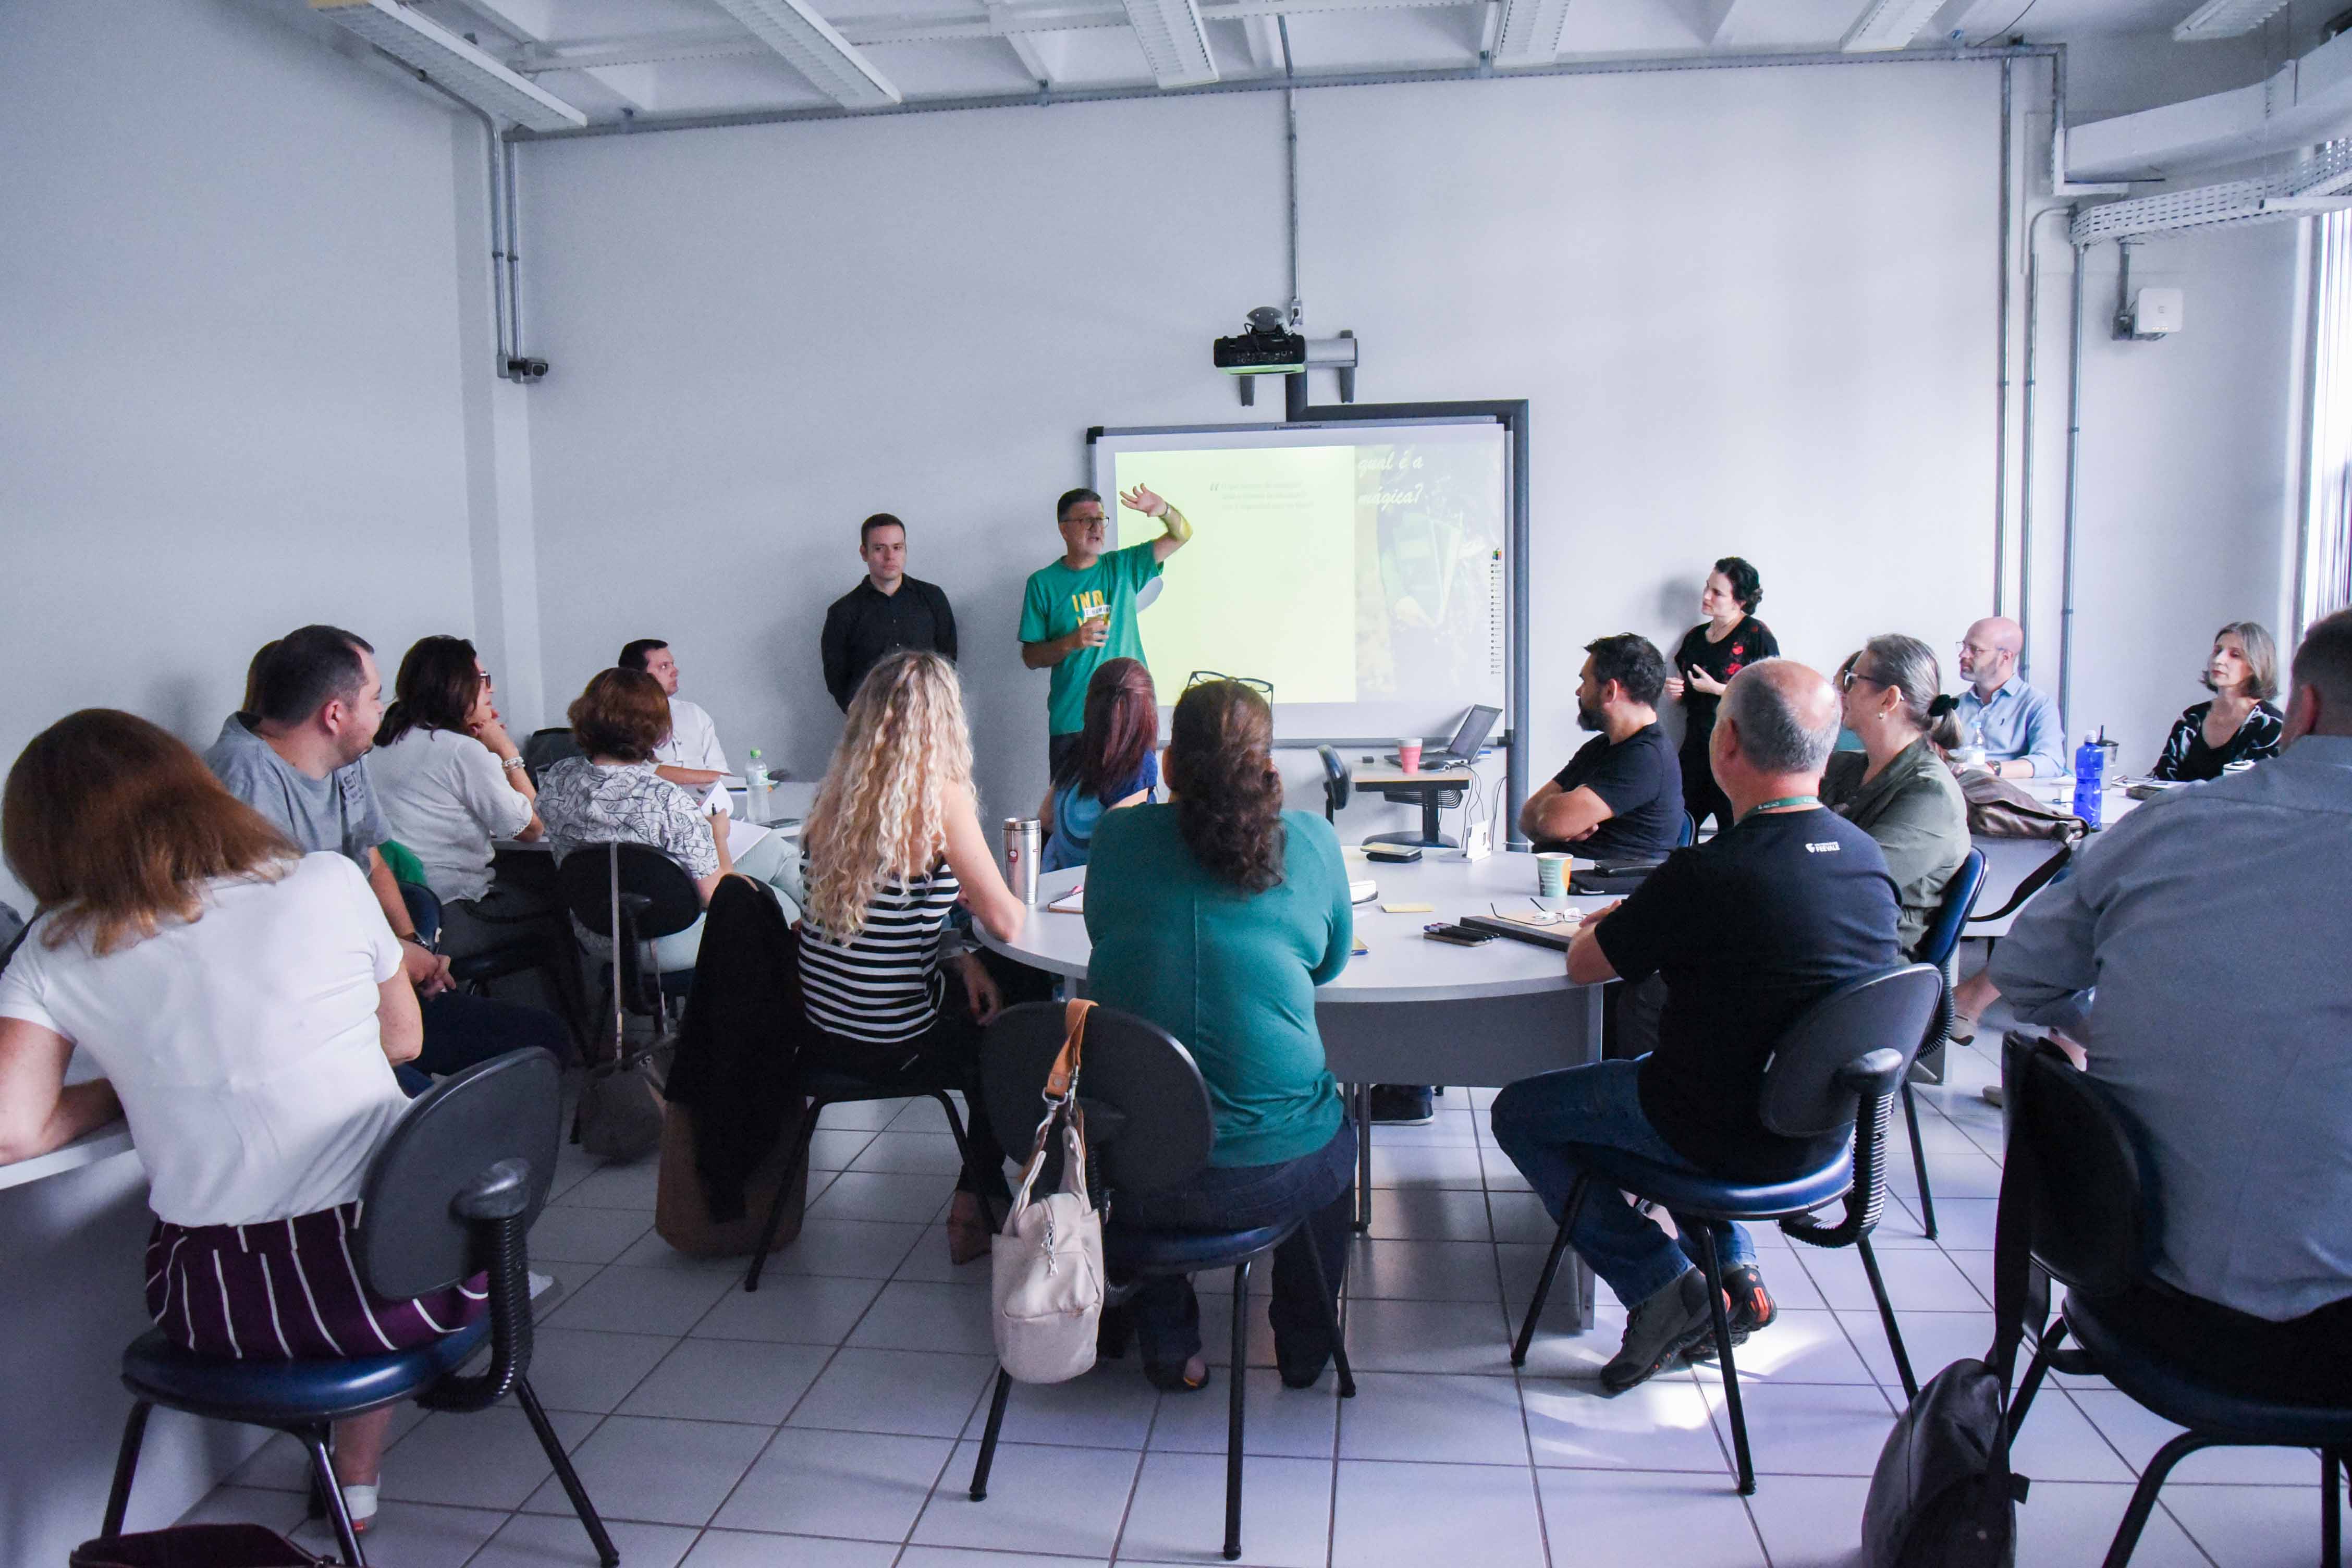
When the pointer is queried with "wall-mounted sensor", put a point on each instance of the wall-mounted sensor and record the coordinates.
(2155, 311)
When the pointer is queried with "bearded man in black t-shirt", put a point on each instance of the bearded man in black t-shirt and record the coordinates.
(1620, 796)
(1773, 913)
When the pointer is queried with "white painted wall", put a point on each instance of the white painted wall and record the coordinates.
(762, 336)
(2188, 475)
(1745, 327)
(228, 359)
(228, 405)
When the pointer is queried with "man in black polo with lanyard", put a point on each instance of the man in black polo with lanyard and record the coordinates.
(886, 612)
(1746, 931)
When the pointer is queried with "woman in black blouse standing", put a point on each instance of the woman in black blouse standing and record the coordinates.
(2239, 725)
(1710, 654)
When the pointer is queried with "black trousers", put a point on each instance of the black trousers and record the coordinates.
(1701, 798)
(945, 1056)
(2303, 1361)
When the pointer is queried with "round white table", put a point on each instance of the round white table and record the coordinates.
(1408, 1010)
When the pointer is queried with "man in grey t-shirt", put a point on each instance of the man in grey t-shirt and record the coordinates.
(337, 811)
(299, 762)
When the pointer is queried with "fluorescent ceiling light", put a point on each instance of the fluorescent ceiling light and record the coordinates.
(1890, 25)
(1175, 44)
(816, 50)
(1529, 35)
(418, 41)
(2225, 19)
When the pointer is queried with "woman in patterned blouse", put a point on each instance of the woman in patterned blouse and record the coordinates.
(2239, 725)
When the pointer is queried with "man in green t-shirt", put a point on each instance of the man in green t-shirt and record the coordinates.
(1081, 610)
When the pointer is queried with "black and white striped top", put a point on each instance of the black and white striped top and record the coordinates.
(885, 986)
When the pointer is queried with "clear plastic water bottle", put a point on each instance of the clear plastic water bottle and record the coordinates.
(2090, 778)
(759, 792)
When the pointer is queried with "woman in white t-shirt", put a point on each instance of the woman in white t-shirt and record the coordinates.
(451, 781)
(246, 1004)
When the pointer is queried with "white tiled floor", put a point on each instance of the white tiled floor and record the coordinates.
(831, 1420)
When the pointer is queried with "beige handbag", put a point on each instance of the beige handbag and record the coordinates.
(1048, 1262)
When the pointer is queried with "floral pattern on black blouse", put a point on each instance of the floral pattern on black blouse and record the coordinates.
(2187, 757)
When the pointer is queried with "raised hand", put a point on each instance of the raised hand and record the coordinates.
(1142, 499)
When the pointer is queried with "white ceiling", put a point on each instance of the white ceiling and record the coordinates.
(672, 58)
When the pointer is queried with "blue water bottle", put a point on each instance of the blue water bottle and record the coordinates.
(2090, 778)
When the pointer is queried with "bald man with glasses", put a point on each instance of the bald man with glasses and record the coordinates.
(2015, 725)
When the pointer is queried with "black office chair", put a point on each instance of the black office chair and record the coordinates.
(824, 1089)
(545, 747)
(1939, 947)
(2091, 1207)
(451, 1193)
(1149, 1127)
(1836, 1067)
(645, 895)
(1338, 782)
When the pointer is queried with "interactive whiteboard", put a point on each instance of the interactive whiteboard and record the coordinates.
(1360, 568)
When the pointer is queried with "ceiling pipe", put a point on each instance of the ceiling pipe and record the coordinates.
(1059, 96)
(2000, 375)
(496, 198)
(2074, 452)
(2025, 458)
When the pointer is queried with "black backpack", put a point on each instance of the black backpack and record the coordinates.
(1943, 1495)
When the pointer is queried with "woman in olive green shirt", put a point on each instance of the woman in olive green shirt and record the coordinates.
(1215, 917)
(1896, 788)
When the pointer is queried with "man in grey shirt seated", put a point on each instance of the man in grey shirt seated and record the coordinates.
(298, 761)
(2213, 923)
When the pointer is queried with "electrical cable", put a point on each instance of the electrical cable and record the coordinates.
(2004, 32)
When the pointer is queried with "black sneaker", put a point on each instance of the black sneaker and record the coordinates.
(1403, 1102)
(1751, 1309)
(1659, 1330)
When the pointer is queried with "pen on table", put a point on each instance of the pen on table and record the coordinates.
(1538, 903)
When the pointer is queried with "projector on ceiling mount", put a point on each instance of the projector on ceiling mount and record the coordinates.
(1267, 348)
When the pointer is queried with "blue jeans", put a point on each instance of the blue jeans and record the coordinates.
(1320, 1186)
(1538, 1118)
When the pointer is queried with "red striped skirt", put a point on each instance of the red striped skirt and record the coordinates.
(286, 1289)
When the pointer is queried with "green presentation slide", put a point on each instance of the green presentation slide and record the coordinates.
(1268, 587)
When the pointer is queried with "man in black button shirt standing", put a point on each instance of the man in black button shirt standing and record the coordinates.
(1620, 796)
(886, 612)
(1777, 910)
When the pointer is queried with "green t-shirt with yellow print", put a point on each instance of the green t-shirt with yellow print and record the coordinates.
(1058, 598)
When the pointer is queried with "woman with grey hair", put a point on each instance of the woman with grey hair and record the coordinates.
(1896, 788)
(2239, 725)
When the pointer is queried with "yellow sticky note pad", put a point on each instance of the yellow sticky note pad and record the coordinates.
(1408, 909)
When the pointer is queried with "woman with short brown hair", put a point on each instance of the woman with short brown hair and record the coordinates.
(610, 793)
(2240, 724)
(245, 1003)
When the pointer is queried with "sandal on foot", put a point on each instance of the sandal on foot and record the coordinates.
(968, 1235)
(1175, 1379)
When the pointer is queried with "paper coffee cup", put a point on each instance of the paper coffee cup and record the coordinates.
(1553, 869)
(1408, 755)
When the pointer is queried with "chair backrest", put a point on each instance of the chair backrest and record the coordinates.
(424, 910)
(1148, 1122)
(1688, 833)
(672, 900)
(1952, 916)
(2091, 1205)
(1339, 782)
(1804, 1094)
(545, 749)
(410, 1241)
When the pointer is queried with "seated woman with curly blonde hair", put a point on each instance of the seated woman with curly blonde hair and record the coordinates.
(891, 845)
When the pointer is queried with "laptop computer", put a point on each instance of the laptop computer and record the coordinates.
(1462, 750)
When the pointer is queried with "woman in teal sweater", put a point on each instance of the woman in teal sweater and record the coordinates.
(1216, 916)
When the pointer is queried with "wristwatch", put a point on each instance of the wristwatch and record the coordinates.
(513, 762)
(418, 938)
